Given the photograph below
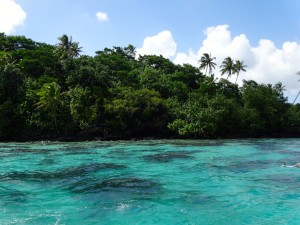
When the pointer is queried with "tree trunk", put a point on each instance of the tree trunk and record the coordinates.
(296, 97)
(237, 76)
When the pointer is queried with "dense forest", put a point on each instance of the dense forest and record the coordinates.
(54, 92)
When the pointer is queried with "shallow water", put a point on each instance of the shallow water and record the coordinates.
(150, 182)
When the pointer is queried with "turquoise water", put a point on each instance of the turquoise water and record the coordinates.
(150, 182)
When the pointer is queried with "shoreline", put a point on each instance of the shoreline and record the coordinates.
(78, 138)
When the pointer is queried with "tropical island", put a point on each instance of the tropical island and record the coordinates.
(52, 92)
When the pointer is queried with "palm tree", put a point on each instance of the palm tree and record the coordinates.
(207, 63)
(238, 67)
(66, 48)
(279, 87)
(50, 99)
(227, 67)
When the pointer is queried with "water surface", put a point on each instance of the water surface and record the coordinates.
(150, 182)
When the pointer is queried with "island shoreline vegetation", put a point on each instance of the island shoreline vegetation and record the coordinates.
(51, 92)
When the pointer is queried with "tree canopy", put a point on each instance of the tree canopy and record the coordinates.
(51, 91)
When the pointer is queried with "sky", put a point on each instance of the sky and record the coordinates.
(265, 34)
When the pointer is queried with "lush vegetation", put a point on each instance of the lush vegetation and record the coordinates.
(51, 91)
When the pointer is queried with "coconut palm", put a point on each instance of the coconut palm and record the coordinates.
(207, 63)
(50, 99)
(227, 67)
(279, 87)
(66, 48)
(238, 67)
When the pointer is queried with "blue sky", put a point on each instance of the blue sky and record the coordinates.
(264, 33)
(132, 20)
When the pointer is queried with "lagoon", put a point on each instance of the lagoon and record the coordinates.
(150, 182)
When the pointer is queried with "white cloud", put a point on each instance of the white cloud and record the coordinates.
(160, 44)
(220, 44)
(102, 16)
(11, 16)
(266, 63)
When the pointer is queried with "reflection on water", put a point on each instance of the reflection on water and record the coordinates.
(150, 182)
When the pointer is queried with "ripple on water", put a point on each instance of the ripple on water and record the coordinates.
(77, 150)
(10, 196)
(13, 152)
(247, 166)
(282, 180)
(67, 173)
(239, 182)
(131, 185)
(168, 156)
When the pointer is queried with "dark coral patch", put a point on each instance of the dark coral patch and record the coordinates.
(168, 156)
(67, 173)
(12, 196)
(247, 166)
(288, 182)
(131, 185)
(17, 151)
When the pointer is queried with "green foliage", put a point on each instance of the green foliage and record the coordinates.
(50, 97)
(158, 63)
(15, 43)
(228, 89)
(119, 65)
(87, 73)
(83, 106)
(50, 109)
(201, 116)
(11, 83)
(11, 123)
(39, 61)
(188, 75)
(208, 86)
(167, 85)
(50, 90)
(6, 112)
(227, 67)
(238, 67)
(292, 119)
(231, 67)
(207, 63)
(35, 59)
(264, 106)
(135, 111)
(66, 48)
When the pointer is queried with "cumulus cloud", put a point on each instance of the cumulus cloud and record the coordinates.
(220, 44)
(160, 44)
(11, 16)
(102, 16)
(266, 62)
